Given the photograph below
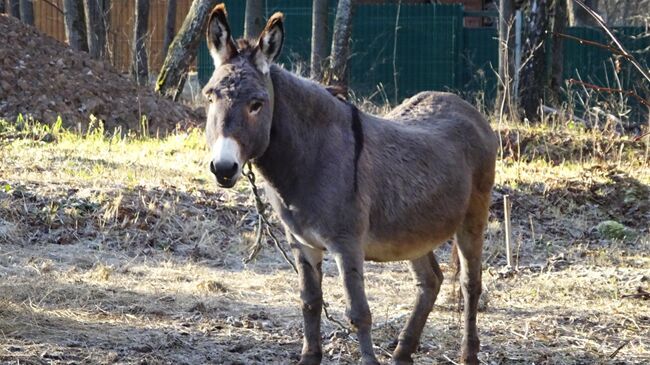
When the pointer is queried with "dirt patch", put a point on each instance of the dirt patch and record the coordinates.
(44, 79)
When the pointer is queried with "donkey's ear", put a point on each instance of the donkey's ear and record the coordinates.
(220, 43)
(270, 42)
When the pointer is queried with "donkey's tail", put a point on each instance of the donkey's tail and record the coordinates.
(455, 259)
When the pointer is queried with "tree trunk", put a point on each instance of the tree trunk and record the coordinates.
(506, 55)
(182, 51)
(533, 73)
(170, 25)
(557, 50)
(14, 8)
(27, 11)
(95, 28)
(341, 45)
(578, 17)
(318, 38)
(139, 64)
(75, 25)
(254, 18)
(3, 9)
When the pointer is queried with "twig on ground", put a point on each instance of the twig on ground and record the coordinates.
(640, 294)
(613, 354)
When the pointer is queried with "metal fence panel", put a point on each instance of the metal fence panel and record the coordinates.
(433, 50)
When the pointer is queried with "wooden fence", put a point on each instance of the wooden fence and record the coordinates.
(48, 18)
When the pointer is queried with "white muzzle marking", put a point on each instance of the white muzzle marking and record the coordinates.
(227, 150)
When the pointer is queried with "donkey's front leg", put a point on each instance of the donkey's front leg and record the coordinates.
(310, 271)
(350, 264)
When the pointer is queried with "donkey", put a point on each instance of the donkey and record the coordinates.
(355, 185)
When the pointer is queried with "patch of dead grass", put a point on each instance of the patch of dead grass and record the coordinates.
(131, 255)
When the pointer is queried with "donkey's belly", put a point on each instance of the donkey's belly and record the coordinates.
(406, 247)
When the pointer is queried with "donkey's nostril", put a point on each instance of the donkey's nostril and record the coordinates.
(230, 171)
(224, 170)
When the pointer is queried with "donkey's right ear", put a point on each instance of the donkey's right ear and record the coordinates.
(220, 43)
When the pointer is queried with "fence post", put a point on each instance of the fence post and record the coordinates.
(508, 230)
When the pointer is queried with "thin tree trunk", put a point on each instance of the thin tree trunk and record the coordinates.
(75, 26)
(95, 28)
(254, 18)
(557, 50)
(27, 11)
(506, 55)
(182, 51)
(534, 75)
(139, 65)
(341, 45)
(170, 25)
(106, 6)
(318, 38)
(14, 8)
(578, 17)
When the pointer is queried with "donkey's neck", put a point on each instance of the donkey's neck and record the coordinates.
(307, 123)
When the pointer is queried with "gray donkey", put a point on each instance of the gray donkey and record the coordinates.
(355, 185)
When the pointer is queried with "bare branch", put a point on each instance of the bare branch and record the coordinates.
(610, 90)
(618, 44)
(591, 43)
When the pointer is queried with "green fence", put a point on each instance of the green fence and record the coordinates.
(433, 51)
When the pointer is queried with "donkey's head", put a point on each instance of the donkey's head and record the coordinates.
(240, 95)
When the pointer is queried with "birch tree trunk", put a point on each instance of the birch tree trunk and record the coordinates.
(318, 38)
(578, 17)
(170, 25)
(254, 18)
(182, 51)
(533, 73)
(341, 45)
(95, 28)
(506, 55)
(139, 65)
(75, 25)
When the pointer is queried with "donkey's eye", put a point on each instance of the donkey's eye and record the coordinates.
(255, 107)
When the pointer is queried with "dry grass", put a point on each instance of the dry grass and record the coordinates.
(121, 249)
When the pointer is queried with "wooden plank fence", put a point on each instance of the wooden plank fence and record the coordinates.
(48, 18)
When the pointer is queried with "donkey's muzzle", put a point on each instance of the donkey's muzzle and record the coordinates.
(226, 173)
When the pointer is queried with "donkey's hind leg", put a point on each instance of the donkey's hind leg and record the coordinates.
(470, 247)
(428, 278)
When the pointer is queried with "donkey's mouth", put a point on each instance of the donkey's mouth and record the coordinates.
(227, 183)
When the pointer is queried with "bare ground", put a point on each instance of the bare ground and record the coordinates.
(119, 250)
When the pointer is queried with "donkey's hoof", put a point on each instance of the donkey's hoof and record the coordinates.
(310, 359)
(401, 359)
(369, 362)
(402, 362)
(469, 360)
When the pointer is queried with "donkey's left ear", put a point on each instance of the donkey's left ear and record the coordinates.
(270, 42)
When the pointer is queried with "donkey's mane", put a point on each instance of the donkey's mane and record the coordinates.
(246, 47)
